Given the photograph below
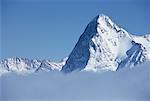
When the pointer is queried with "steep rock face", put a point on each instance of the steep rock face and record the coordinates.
(106, 46)
(135, 55)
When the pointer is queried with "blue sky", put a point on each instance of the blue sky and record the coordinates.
(49, 29)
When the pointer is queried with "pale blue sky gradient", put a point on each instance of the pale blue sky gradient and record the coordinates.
(49, 29)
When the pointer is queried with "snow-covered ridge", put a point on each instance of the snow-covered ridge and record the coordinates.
(24, 65)
(106, 46)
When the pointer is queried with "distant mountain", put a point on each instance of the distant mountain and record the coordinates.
(24, 66)
(106, 46)
(103, 46)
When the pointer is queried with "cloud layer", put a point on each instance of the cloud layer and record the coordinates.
(126, 84)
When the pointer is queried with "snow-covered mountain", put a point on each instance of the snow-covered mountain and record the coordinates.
(106, 46)
(23, 65)
(103, 46)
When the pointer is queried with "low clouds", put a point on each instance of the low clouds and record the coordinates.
(126, 84)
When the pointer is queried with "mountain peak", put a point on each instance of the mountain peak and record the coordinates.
(105, 46)
(104, 17)
(101, 16)
(103, 24)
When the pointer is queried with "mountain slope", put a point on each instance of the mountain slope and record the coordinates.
(106, 46)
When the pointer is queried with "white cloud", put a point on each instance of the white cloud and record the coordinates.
(123, 85)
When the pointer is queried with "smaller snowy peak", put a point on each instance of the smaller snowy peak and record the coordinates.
(19, 65)
(14, 64)
(24, 65)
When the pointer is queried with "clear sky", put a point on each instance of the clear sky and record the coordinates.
(49, 29)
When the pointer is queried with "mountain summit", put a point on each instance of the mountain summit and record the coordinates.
(103, 46)
(106, 46)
